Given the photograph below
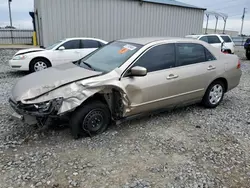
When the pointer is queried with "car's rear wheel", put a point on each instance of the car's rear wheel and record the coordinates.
(39, 64)
(90, 119)
(214, 94)
(248, 54)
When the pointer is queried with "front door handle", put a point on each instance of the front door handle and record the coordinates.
(172, 76)
(211, 67)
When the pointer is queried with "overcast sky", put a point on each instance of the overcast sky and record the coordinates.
(234, 9)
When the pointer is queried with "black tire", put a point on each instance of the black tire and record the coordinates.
(34, 61)
(206, 101)
(228, 51)
(248, 54)
(81, 122)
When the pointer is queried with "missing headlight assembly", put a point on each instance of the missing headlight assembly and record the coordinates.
(43, 109)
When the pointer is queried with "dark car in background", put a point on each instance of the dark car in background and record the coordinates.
(247, 48)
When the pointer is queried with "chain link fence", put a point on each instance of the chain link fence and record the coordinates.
(16, 36)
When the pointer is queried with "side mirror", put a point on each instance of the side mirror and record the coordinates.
(138, 71)
(61, 48)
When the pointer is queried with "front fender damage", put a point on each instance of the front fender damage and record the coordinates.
(74, 94)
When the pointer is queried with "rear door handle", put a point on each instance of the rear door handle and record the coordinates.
(172, 76)
(210, 67)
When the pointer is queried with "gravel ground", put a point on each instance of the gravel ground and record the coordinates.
(187, 147)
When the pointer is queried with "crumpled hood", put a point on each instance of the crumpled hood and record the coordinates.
(36, 84)
(30, 50)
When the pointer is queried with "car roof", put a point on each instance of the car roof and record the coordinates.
(147, 40)
(83, 38)
(196, 36)
(193, 36)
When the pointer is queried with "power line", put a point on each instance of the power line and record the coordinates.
(209, 5)
(229, 7)
(221, 4)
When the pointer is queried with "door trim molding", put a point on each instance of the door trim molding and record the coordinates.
(166, 98)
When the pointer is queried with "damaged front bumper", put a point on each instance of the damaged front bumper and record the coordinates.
(31, 113)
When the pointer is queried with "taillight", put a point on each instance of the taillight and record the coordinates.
(238, 65)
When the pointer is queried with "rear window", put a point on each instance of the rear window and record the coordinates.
(90, 44)
(226, 39)
(189, 53)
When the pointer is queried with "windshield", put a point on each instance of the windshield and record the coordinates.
(54, 45)
(110, 56)
(226, 39)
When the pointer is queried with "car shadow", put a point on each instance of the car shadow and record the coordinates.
(56, 131)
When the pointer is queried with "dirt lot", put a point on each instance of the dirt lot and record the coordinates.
(188, 147)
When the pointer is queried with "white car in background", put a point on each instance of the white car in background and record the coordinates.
(216, 40)
(67, 50)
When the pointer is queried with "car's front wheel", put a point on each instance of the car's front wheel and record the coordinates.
(39, 64)
(214, 94)
(92, 118)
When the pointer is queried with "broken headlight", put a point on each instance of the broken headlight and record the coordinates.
(51, 105)
(44, 106)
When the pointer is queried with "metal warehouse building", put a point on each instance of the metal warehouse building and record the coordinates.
(114, 19)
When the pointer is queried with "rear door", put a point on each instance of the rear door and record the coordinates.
(195, 69)
(69, 54)
(88, 46)
(214, 40)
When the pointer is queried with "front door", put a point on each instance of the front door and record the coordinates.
(151, 92)
(69, 54)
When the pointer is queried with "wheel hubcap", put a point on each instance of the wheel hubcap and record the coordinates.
(215, 94)
(40, 65)
(93, 121)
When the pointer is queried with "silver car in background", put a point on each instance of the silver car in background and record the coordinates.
(126, 78)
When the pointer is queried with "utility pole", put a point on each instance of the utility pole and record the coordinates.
(9, 1)
(225, 22)
(207, 15)
(243, 17)
(216, 17)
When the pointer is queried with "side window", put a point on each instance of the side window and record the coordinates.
(72, 44)
(226, 39)
(213, 39)
(209, 56)
(158, 58)
(188, 54)
(204, 39)
(90, 44)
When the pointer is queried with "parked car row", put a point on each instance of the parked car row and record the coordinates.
(72, 49)
(120, 80)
